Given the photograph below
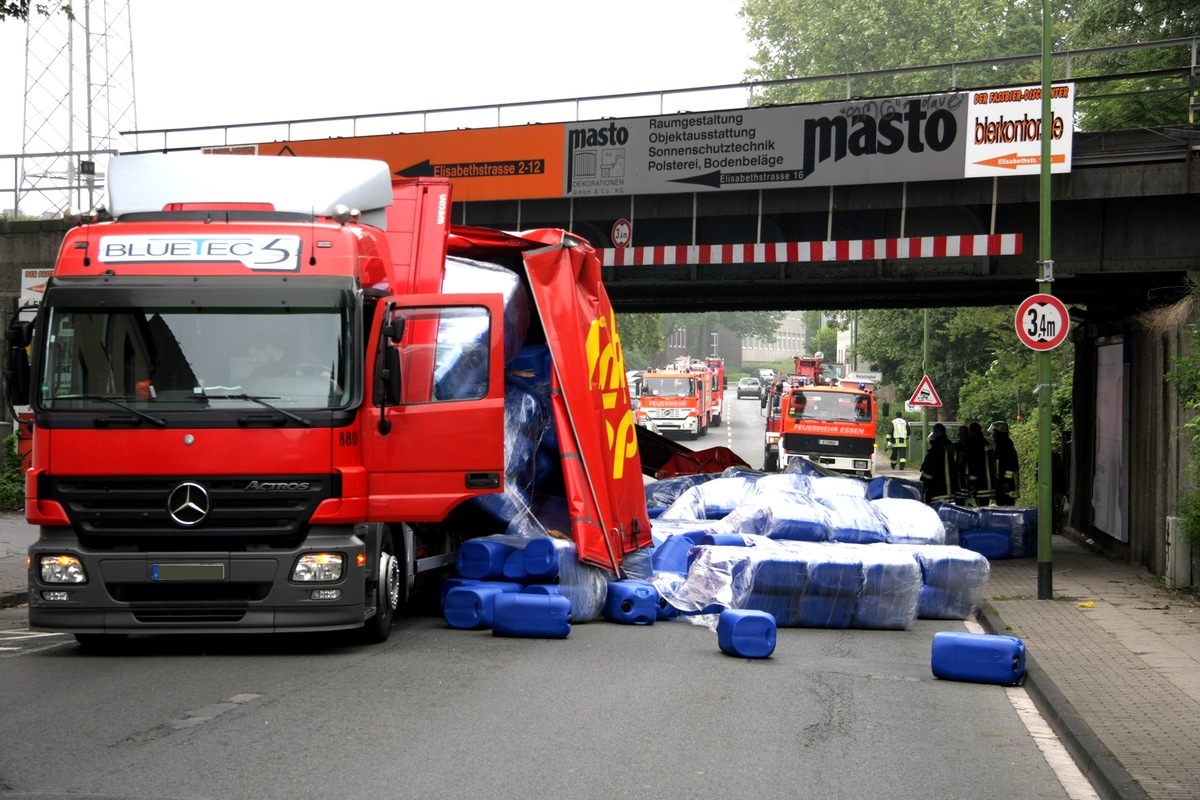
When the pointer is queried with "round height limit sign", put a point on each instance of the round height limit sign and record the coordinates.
(1042, 322)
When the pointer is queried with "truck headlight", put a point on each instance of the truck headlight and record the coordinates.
(318, 568)
(61, 569)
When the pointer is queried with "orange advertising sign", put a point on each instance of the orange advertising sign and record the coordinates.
(489, 164)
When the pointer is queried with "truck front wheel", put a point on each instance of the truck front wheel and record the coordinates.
(388, 585)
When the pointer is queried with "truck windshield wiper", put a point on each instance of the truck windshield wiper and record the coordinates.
(262, 401)
(158, 421)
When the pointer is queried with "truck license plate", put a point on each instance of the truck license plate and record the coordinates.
(828, 442)
(187, 572)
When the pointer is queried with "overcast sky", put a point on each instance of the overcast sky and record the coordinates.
(233, 61)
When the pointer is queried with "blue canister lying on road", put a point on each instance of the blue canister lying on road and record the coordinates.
(746, 632)
(631, 602)
(978, 657)
(534, 615)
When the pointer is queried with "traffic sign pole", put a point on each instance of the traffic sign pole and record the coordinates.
(1045, 547)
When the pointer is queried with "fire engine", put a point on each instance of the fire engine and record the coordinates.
(270, 394)
(716, 368)
(678, 399)
(830, 426)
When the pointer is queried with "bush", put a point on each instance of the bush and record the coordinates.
(12, 477)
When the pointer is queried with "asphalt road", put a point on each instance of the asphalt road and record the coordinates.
(612, 711)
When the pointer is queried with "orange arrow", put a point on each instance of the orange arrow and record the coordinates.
(1015, 161)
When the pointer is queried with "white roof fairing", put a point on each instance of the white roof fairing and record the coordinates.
(150, 181)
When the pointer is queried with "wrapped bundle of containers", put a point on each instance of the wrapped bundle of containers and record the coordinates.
(712, 499)
(953, 580)
(854, 519)
(543, 560)
(910, 521)
(883, 486)
(955, 519)
(1018, 525)
(661, 494)
(779, 514)
(891, 594)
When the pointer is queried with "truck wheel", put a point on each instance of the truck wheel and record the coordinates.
(387, 592)
(770, 462)
(717, 421)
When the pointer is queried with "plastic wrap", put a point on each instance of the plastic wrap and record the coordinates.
(783, 481)
(464, 276)
(830, 486)
(1019, 523)
(662, 493)
(955, 519)
(883, 486)
(546, 560)
(891, 595)
(526, 420)
(854, 520)
(779, 514)
(710, 500)
(801, 584)
(910, 521)
(954, 580)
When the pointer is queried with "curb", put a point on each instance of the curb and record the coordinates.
(13, 599)
(1097, 763)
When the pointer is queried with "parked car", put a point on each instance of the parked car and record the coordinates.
(748, 387)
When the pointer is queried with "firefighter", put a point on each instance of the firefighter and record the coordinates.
(978, 468)
(939, 475)
(897, 442)
(1008, 470)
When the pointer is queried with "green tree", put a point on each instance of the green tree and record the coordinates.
(20, 9)
(641, 338)
(808, 38)
(1147, 100)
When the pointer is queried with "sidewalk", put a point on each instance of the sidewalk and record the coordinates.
(1118, 680)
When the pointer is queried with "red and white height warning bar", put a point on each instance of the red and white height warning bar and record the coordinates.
(1000, 244)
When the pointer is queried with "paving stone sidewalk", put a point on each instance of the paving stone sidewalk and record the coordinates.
(1114, 664)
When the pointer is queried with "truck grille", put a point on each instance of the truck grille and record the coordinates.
(243, 506)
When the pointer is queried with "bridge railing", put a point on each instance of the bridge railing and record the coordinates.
(1096, 70)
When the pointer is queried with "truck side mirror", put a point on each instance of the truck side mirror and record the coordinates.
(387, 366)
(16, 361)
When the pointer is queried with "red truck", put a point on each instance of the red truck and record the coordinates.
(270, 394)
(678, 399)
(828, 425)
(716, 368)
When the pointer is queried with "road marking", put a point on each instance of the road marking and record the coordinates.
(1073, 782)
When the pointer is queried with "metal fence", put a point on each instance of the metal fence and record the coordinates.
(1098, 72)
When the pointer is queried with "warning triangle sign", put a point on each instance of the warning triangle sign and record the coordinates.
(925, 395)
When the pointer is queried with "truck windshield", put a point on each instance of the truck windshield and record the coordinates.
(830, 406)
(668, 387)
(166, 357)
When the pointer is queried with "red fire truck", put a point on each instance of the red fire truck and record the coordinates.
(716, 369)
(678, 399)
(270, 394)
(831, 426)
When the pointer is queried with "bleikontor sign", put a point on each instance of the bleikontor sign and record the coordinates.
(919, 138)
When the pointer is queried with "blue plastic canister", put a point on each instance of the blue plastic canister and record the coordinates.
(542, 558)
(451, 583)
(978, 657)
(472, 607)
(482, 559)
(746, 633)
(991, 545)
(530, 614)
(631, 602)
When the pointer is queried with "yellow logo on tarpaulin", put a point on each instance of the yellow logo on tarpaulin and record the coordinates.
(606, 373)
